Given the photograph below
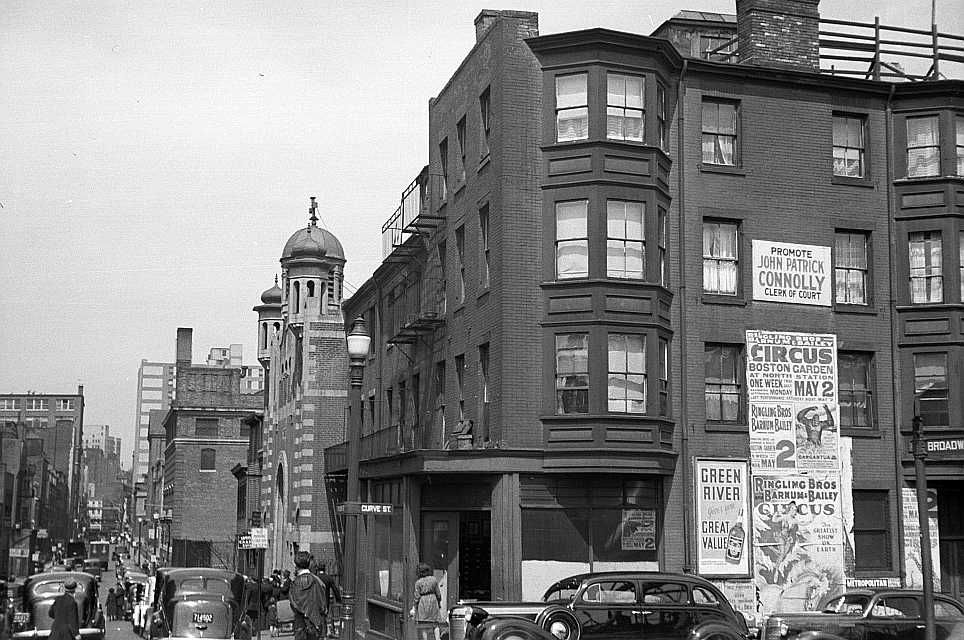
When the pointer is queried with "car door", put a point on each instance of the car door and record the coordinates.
(666, 612)
(609, 608)
(895, 616)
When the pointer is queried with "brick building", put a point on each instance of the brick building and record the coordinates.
(205, 437)
(579, 292)
(301, 346)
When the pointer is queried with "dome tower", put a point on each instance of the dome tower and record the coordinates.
(269, 322)
(312, 266)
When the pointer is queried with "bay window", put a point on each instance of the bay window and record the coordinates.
(624, 107)
(625, 243)
(572, 239)
(572, 108)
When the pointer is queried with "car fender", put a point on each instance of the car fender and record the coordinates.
(715, 631)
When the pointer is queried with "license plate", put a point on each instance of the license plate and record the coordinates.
(21, 617)
(203, 618)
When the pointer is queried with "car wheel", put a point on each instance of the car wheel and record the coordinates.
(562, 624)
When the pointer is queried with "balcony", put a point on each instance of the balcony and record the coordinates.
(413, 217)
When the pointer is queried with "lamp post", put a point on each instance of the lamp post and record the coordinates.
(157, 520)
(926, 566)
(358, 343)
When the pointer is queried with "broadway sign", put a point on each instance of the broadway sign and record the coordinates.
(944, 448)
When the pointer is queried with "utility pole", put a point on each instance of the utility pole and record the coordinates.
(927, 568)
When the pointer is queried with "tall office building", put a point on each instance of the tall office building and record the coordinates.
(155, 390)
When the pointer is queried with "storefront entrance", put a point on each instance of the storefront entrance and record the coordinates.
(458, 546)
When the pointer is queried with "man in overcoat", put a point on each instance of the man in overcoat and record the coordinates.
(64, 611)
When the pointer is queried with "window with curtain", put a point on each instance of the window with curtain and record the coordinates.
(720, 133)
(627, 373)
(661, 117)
(460, 135)
(723, 382)
(959, 151)
(661, 238)
(850, 267)
(625, 242)
(572, 373)
(926, 272)
(572, 239)
(848, 145)
(663, 377)
(485, 122)
(855, 390)
(460, 253)
(572, 108)
(720, 257)
(624, 107)
(484, 256)
(930, 388)
(443, 158)
(923, 147)
(872, 530)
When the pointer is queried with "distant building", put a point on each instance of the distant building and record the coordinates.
(155, 390)
(252, 376)
(98, 436)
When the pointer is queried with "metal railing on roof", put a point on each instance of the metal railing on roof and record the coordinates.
(413, 215)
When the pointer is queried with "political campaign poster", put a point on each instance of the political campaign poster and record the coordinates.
(792, 273)
(798, 540)
(912, 553)
(792, 391)
(722, 515)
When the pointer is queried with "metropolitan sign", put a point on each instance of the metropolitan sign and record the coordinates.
(792, 273)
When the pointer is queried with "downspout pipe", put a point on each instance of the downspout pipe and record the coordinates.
(688, 566)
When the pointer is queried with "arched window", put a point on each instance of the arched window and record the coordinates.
(297, 296)
(264, 335)
(311, 289)
(277, 328)
(207, 460)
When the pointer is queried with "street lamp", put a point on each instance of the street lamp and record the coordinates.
(920, 483)
(359, 342)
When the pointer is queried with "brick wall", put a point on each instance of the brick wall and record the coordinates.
(779, 33)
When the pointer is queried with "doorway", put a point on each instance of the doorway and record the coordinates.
(458, 547)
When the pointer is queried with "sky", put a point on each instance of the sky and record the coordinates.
(155, 157)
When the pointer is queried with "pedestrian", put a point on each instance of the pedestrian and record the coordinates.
(272, 617)
(426, 603)
(331, 590)
(285, 584)
(64, 611)
(111, 604)
(308, 601)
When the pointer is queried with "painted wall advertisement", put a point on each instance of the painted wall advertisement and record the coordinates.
(912, 563)
(792, 273)
(792, 392)
(798, 549)
(722, 512)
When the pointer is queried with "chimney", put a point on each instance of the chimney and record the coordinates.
(184, 339)
(528, 22)
(779, 33)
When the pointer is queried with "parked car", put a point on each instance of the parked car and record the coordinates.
(479, 625)
(668, 606)
(31, 617)
(199, 603)
(868, 614)
(94, 567)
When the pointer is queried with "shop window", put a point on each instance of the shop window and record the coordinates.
(926, 270)
(855, 389)
(572, 108)
(572, 239)
(848, 145)
(572, 373)
(624, 107)
(923, 147)
(720, 128)
(850, 267)
(720, 257)
(723, 385)
(625, 242)
(931, 389)
(872, 530)
(627, 373)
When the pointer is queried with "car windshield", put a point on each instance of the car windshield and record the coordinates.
(850, 604)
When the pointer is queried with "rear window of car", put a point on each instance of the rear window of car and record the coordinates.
(704, 596)
(209, 585)
(46, 588)
(850, 604)
(665, 593)
(947, 609)
(610, 592)
(896, 607)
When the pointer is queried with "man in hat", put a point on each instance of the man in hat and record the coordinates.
(66, 625)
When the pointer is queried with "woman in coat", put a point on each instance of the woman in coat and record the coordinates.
(425, 604)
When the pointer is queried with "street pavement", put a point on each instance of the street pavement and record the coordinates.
(115, 629)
